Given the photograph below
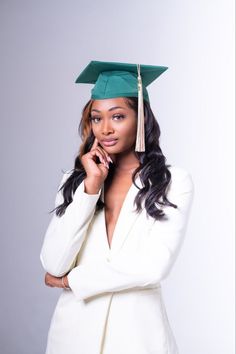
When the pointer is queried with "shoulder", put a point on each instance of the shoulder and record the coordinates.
(181, 179)
(65, 176)
(178, 172)
(67, 173)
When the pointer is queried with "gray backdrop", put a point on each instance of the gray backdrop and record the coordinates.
(44, 46)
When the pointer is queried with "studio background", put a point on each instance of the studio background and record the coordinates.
(44, 46)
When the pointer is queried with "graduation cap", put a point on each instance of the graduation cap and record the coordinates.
(114, 79)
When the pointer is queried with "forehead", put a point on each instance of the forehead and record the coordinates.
(108, 103)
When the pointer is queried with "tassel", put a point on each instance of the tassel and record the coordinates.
(140, 136)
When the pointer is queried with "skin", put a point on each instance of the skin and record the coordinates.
(111, 118)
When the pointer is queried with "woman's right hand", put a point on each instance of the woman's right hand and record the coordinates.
(96, 173)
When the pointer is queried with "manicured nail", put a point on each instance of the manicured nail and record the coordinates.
(110, 159)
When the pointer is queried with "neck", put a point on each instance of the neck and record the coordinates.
(126, 161)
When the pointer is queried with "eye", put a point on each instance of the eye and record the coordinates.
(118, 116)
(94, 119)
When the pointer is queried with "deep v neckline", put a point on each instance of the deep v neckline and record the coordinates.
(118, 218)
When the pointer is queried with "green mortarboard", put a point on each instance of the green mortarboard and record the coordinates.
(114, 79)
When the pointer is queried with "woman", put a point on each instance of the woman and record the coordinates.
(120, 220)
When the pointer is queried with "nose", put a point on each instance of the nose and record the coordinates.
(107, 127)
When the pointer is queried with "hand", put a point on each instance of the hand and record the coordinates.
(55, 282)
(96, 172)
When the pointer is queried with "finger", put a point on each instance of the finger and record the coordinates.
(97, 153)
(107, 155)
(95, 144)
(104, 154)
(48, 283)
(47, 279)
(108, 158)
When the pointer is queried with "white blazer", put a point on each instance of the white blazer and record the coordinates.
(115, 305)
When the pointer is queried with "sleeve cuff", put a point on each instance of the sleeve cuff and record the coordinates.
(80, 193)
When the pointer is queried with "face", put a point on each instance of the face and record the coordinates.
(114, 124)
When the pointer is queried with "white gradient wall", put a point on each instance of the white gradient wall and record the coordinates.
(44, 45)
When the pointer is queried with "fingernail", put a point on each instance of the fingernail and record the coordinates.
(110, 159)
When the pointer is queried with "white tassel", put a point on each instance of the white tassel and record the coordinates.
(140, 136)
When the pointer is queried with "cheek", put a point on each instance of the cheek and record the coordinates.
(94, 129)
(129, 131)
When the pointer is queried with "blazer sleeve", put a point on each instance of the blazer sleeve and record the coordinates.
(65, 234)
(148, 266)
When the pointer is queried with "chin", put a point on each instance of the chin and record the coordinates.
(115, 151)
(112, 149)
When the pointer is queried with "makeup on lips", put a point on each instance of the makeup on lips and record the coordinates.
(109, 142)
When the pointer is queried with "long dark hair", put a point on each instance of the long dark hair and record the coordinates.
(153, 170)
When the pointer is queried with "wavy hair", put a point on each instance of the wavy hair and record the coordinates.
(153, 170)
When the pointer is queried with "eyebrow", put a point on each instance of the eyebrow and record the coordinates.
(110, 109)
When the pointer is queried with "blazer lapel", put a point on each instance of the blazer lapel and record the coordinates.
(126, 218)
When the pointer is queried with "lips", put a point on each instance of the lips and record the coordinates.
(109, 142)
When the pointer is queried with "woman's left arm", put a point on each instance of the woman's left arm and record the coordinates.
(150, 265)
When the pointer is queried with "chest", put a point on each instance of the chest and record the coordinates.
(126, 232)
(114, 196)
